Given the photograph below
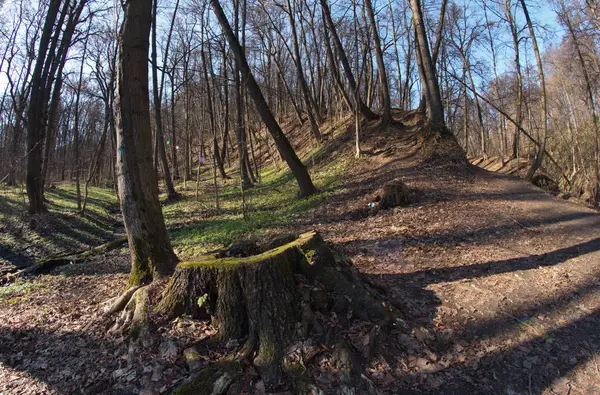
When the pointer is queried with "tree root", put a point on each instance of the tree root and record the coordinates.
(119, 303)
(134, 308)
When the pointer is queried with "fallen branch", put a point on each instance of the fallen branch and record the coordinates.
(76, 257)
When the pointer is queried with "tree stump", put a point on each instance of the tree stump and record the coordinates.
(395, 193)
(268, 298)
(546, 183)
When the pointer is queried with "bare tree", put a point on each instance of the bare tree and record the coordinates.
(540, 153)
(435, 107)
(158, 90)
(149, 245)
(283, 145)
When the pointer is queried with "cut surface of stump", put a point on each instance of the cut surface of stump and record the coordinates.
(395, 193)
(268, 299)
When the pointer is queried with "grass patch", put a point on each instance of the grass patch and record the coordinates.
(11, 292)
(195, 226)
(270, 206)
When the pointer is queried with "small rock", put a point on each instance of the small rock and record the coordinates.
(233, 343)
(168, 350)
(119, 373)
(260, 388)
(157, 373)
(192, 358)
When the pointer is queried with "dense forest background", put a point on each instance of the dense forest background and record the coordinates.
(311, 59)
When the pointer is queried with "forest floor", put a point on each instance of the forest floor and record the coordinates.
(498, 281)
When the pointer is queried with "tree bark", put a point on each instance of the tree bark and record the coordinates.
(261, 298)
(35, 127)
(160, 140)
(310, 105)
(519, 99)
(435, 107)
(151, 253)
(591, 99)
(386, 117)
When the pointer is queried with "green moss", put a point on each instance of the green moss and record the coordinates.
(202, 299)
(141, 272)
(267, 352)
(225, 263)
(19, 288)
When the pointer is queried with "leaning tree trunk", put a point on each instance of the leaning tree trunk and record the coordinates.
(263, 297)
(386, 117)
(364, 109)
(283, 144)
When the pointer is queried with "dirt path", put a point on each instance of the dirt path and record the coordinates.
(499, 280)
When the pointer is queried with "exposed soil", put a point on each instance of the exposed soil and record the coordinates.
(498, 283)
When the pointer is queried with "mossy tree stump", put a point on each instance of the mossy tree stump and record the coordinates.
(268, 298)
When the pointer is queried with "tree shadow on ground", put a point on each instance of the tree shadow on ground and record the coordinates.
(529, 366)
(50, 234)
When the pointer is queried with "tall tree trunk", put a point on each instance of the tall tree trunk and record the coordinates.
(519, 99)
(35, 127)
(151, 253)
(466, 112)
(385, 89)
(211, 116)
(334, 68)
(174, 144)
(239, 103)
(538, 57)
(283, 145)
(297, 58)
(76, 145)
(160, 140)
(225, 108)
(435, 107)
(590, 95)
(467, 67)
(396, 55)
